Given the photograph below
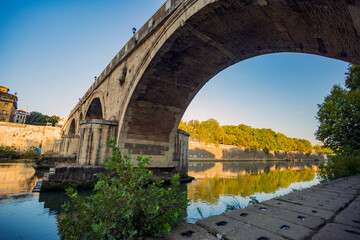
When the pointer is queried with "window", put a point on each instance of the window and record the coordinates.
(6, 104)
(4, 112)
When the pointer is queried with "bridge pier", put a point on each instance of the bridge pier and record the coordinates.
(68, 145)
(94, 136)
(181, 151)
(91, 147)
(93, 153)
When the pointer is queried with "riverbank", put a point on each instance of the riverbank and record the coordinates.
(325, 211)
(209, 152)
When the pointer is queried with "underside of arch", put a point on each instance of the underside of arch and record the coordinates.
(72, 129)
(95, 110)
(224, 33)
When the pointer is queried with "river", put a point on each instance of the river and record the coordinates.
(27, 215)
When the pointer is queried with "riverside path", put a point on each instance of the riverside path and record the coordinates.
(326, 211)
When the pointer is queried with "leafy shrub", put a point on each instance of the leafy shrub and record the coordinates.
(127, 205)
(30, 153)
(340, 165)
(235, 204)
(9, 152)
(253, 200)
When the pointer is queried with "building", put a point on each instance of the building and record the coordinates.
(60, 123)
(20, 116)
(8, 105)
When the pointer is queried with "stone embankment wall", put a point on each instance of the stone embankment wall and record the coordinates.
(201, 151)
(23, 136)
(71, 176)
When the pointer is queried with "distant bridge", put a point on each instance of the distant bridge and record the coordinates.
(144, 91)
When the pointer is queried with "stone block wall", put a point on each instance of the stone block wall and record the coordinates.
(23, 136)
(75, 176)
(201, 151)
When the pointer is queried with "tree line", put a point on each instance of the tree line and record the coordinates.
(210, 131)
(36, 118)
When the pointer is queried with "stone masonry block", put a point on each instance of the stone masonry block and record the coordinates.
(344, 189)
(277, 226)
(232, 229)
(312, 211)
(334, 231)
(350, 215)
(294, 217)
(324, 192)
(322, 202)
(189, 231)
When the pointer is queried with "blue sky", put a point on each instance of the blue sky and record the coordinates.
(50, 52)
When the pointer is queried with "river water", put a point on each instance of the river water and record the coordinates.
(27, 215)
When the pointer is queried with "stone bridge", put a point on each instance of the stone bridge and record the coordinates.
(142, 94)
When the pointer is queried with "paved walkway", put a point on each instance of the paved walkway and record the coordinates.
(327, 211)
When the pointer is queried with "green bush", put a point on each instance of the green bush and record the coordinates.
(341, 165)
(127, 205)
(30, 153)
(9, 152)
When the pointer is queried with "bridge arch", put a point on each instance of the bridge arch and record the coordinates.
(205, 37)
(95, 109)
(72, 129)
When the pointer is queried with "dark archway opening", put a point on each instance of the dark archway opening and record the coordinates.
(95, 110)
(72, 129)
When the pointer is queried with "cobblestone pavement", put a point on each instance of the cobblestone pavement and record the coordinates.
(326, 211)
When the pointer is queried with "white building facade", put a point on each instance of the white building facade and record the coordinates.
(20, 116)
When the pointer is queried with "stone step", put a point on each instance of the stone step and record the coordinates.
(302, 219)
(232, 229)
(277, 226)
(334, 231)
(37, 187)
(299, 208)
(188, 230)
(350, 216)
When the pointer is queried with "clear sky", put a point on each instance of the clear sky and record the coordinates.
(50, 52)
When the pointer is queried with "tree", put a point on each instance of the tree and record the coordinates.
(353, 77)
(36, 118)
(54, 119)
(339, 115)
(214, 133)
